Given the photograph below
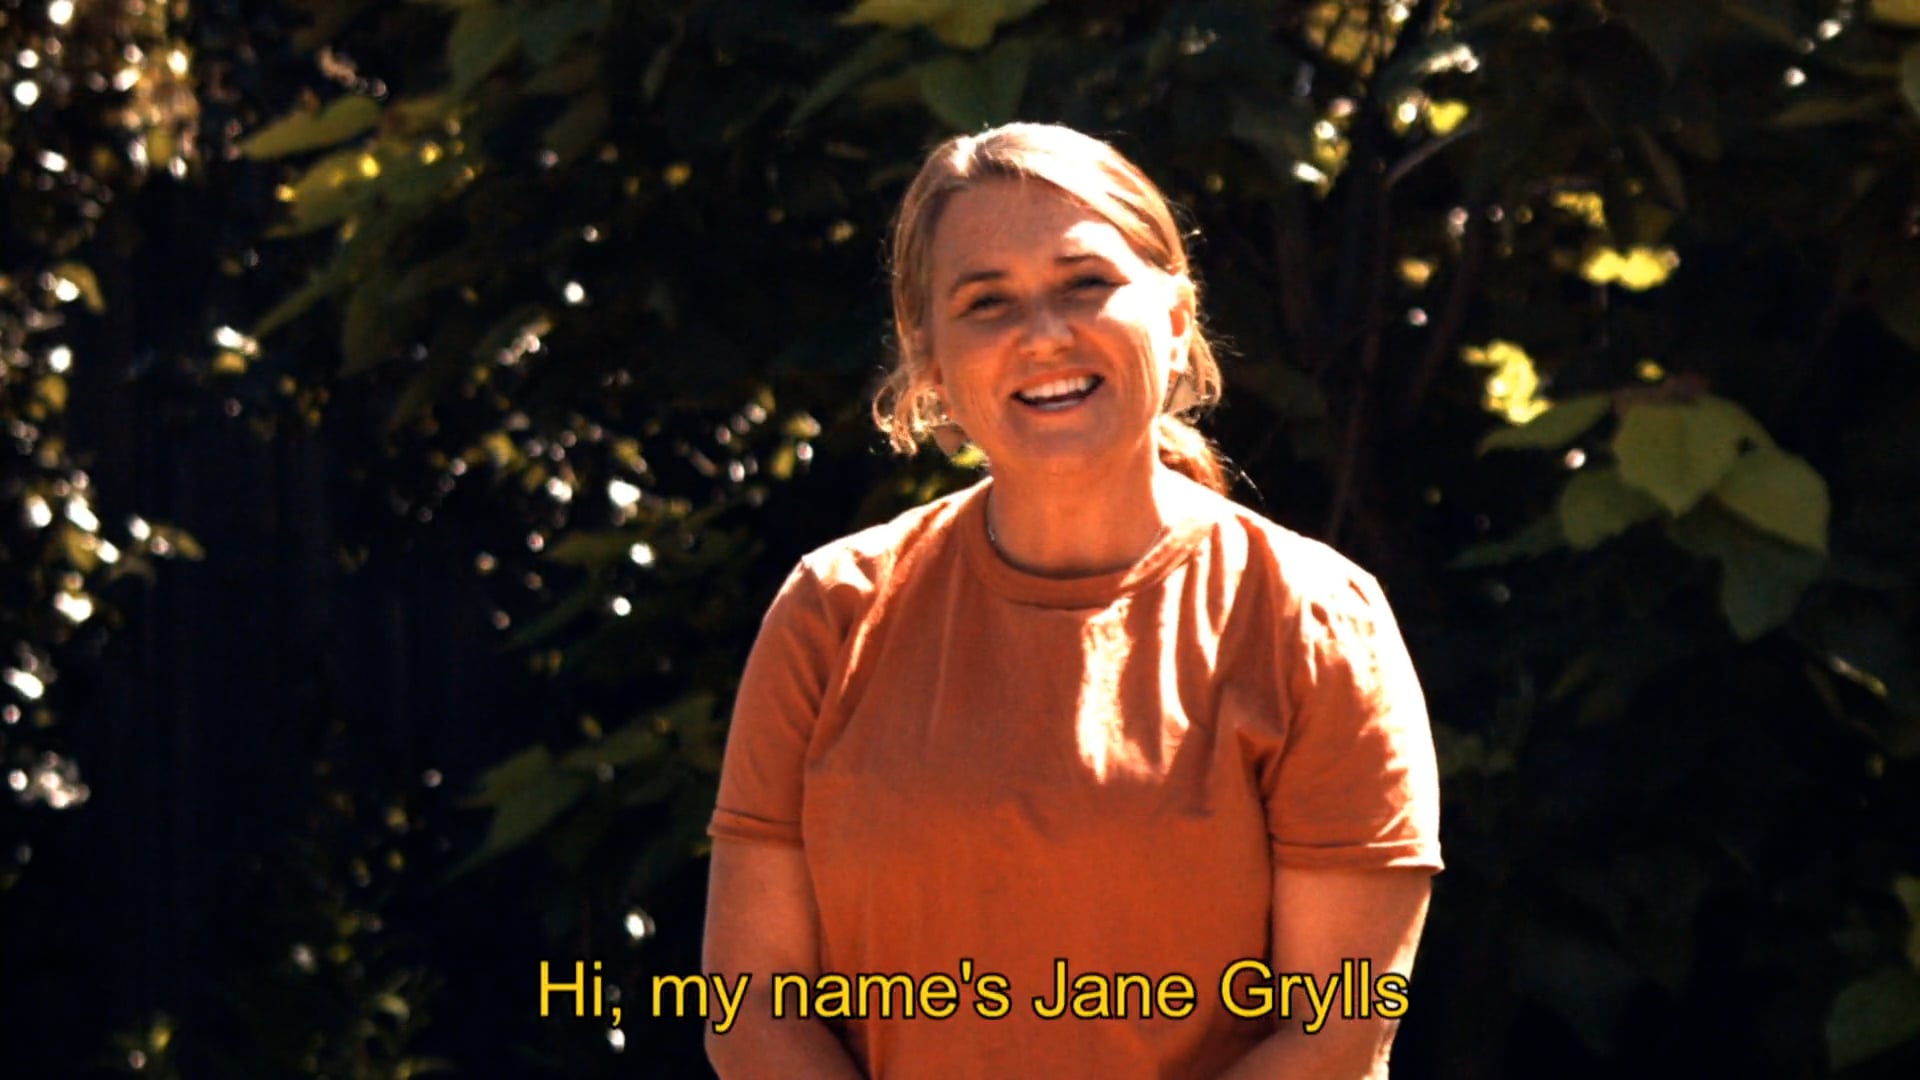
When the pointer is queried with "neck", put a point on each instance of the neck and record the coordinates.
(1046, 526)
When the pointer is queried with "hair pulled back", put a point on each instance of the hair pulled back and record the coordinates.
(1098, 176)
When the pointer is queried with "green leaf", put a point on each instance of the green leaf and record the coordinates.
(82, 277)
(298, 302)
(968, 95)
(327, 192)
(366, 336)
(557, 617)
(524, 813)
(577, 128)
(511, 775)
(1780, 493)
(634, 742)
(484, 36)
(877, 52)
(1903, 13)
(1666, 170)
(965, 24)
(1597, 505)
(1281, 131)
(1761, 579)
(1821, 111)
(1537, 539)
(1553, 429)
(1432, 56)
(1910, 76)
(1678, 452)
(548, 32)
(1873, 1015)
(1907, 888)
(343, 118)
(969, 24)
(1895, 290)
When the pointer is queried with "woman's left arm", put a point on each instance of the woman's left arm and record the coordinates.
(1321, 917)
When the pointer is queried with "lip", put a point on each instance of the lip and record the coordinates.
(1039, 381)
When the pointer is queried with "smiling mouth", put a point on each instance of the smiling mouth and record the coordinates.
(1060, 393)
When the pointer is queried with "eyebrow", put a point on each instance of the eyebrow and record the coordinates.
(976, 276)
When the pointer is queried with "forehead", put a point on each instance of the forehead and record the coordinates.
(1005, 224)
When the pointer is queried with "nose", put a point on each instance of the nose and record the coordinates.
(1046, 330)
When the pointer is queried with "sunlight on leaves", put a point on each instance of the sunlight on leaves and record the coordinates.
(1597, 505)
(1639, 268)
(1780, 493)
(1513, 386)
(1677, 452)
(965, 24)
(1910, 76)
(1588, 206)
(1873, 1015)
(1895, 12)
(1554, 428)
(968, 95)
(1444, 116)
(342, 119)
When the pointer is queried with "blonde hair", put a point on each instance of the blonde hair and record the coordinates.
(1091, 172)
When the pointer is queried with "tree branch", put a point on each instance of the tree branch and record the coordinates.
(1465, 280)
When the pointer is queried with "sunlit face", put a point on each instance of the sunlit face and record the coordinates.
(1051, 339)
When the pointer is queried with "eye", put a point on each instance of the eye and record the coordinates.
(1086, 283)
(984, 302)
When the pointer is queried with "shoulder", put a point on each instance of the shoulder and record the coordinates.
(1300, 576)
(856, 569)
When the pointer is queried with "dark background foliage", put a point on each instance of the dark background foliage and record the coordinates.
(410, 408)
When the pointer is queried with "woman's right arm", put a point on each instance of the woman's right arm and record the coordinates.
(761, 914)
(761, 919)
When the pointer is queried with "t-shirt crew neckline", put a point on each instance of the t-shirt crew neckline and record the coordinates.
(1182, 536)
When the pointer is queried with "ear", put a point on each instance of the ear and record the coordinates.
(1181, 316)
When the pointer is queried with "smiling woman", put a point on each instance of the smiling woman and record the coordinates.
(1088, 715)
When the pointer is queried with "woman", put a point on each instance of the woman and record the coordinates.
(1087, 717)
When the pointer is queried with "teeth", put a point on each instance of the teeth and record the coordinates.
(1058, 388)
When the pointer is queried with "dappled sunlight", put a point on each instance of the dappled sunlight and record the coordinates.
(1638, 268)
(1513, 386)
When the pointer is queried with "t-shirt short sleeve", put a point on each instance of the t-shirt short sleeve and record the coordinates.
(1355, 785)
(781, 690)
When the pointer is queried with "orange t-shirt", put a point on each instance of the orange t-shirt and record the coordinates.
(988, 770)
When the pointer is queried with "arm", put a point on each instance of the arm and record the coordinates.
(761, 919)
(1354, 803)
(1321, 917)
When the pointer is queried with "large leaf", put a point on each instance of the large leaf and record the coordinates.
(342, 119)
(968, 95)
(1780, 493)
(518, 771)
(1597, 505)
(877, 52)
(1895, 12)
(548, 32)
(1761, 579)
(1873, 1015)
(1537, 539)
(523, 813)
(367, 334)
(327, 192)
(1677, 452)
(966, 24)
(1910, 76)
(576, 129)
(484, 36)
(1552, 429)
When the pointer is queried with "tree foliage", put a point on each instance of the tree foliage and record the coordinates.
(1588, 324)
